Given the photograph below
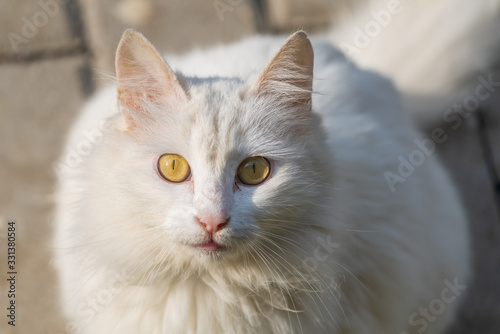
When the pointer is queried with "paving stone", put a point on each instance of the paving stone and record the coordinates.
(38, 102)
(31, 25)
(173, 26)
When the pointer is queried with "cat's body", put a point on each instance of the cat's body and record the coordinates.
(378, 255)
(326, 244)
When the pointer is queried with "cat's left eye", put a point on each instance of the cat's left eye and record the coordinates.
(254, 170)
(174, 168)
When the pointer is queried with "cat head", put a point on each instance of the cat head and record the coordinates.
(204, 171)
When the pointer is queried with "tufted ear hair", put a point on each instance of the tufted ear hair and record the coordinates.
(289, 75)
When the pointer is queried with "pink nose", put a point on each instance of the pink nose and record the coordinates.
(213, 224)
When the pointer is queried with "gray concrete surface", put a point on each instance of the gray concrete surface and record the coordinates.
(38, 102)
(45, 79)
(464, 157)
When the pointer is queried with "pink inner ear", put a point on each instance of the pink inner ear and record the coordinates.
(132, 104)
(131, 101)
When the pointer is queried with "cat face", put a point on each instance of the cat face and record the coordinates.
(216, 169)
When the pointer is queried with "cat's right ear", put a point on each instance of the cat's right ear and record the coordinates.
(145, 81)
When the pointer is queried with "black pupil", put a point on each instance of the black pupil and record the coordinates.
(173, 165)
(253, 166)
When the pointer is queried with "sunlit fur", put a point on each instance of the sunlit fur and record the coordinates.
(390, 251)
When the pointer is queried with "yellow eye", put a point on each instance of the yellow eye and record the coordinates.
(173, 167)
(254, 170)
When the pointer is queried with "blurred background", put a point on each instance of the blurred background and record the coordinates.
(55, 53)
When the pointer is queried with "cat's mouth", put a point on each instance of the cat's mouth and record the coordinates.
(210, 245)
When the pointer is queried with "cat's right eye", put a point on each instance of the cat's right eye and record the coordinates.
(173, 168)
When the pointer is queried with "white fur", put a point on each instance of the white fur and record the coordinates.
(124, 236)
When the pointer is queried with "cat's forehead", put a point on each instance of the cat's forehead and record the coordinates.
(216, 107)
(217, 116)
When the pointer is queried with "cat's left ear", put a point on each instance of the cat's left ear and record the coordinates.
(144, 78)
(289, 75)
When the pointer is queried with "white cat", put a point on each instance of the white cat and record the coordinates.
(248, 193)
